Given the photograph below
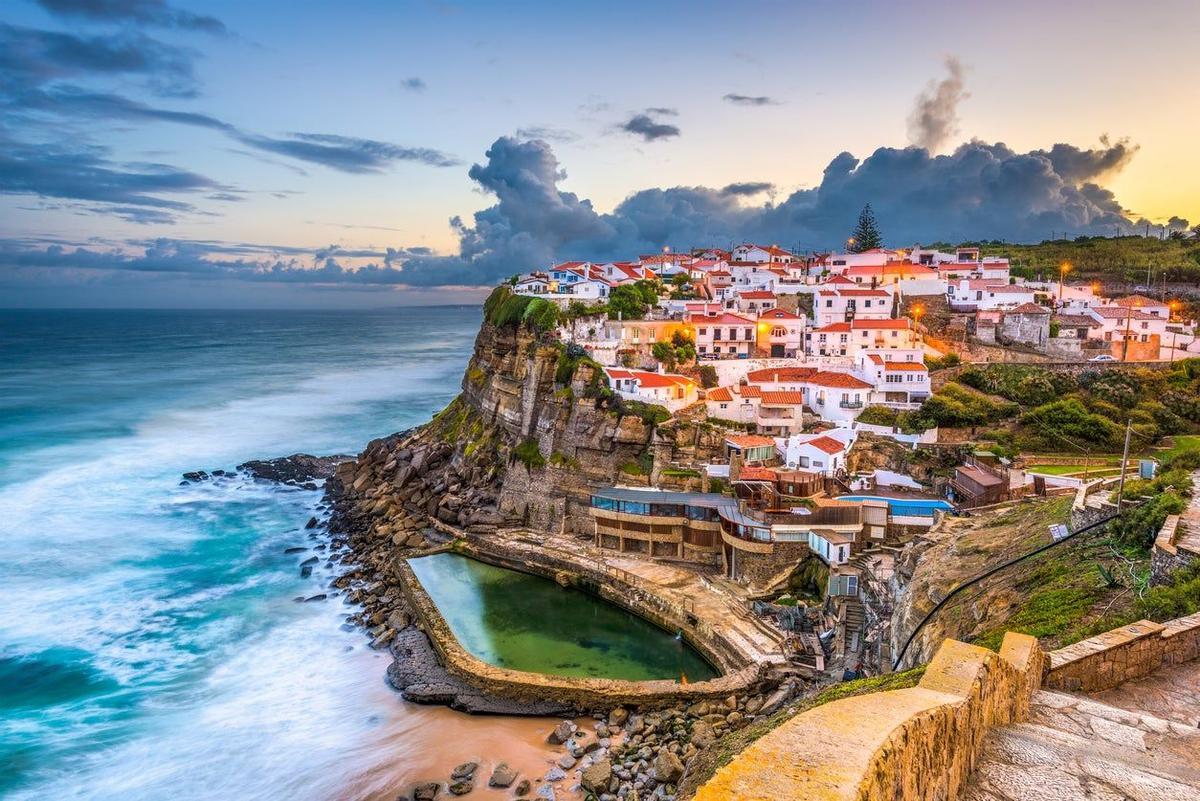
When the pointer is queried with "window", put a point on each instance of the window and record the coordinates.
(717, 335)
(845, 337)
(748, 334)
(702, 331)
(867, 304)
(829, 304)
(724, 405)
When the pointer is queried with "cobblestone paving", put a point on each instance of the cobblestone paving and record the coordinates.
(1075, 747)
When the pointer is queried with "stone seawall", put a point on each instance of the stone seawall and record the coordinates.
(917, 743)
(583, 694)
(1117, 656)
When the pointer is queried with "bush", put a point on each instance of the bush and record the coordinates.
(504, 309)
(958, 405)
(941, 363)
(709, 379)
(529, 454)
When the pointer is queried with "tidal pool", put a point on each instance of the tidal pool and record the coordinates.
(523, 622)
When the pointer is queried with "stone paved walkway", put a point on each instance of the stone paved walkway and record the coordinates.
(1074, 747)
(1171, 693)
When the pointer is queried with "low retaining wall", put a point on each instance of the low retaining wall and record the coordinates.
(917, 743)
(580, 693)
(1130, 652)
(1167, 556)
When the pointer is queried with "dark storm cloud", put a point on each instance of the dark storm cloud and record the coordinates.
(142, 12)
(31, 57)
(749, 100)
(645, 126)
(934, 118)
(747, 188)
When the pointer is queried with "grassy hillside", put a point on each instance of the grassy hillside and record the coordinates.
(1121, 260)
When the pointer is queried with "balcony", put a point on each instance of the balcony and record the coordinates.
(851, 404)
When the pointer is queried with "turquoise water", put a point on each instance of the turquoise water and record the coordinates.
(907, 507)
(150, 643)
(525, 622)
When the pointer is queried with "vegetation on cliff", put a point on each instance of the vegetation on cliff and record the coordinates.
(1124, 259)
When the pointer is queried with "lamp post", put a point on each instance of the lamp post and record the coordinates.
(917, 311)
(1063, 269)
(1172, 307)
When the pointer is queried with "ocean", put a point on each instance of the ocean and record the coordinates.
(151, 641)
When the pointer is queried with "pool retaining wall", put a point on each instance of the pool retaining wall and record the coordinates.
(739, 676)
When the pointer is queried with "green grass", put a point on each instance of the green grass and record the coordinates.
(1073, 470)
(1182, 443)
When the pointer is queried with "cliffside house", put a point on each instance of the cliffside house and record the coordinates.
(849, 338)
(750, 448)
(724, 336)
(665, 389)
(780, 334)
(978, 484)
(841, 305)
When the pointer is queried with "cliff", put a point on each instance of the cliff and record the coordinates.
(532, 431)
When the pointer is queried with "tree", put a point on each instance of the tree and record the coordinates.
(866, 233)
(708, 376)
(627, 302)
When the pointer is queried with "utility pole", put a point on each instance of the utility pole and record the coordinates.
(1125, 341)
(1124, 463)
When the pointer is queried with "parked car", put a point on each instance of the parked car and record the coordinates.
(1103, 357)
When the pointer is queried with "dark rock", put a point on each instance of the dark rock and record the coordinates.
(597, 776)
(523, 787)
(295, 550)
(312, 523)
(502, 776)
(462, 787)
(426, 792)
(667, 767)
(195, 475)
(562, 732)
(296, 470)
(320, 597)
(464, 771)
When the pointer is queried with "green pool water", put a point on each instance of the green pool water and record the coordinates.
(530, 623)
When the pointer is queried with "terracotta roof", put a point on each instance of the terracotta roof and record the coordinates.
(648, 379)
(858, 324)
(770, 398)
(1115, 313)
(839, 381)
(778, 314)
(749, 441)
(916, 367)
(725, 319)
(839, 279)
(833, 328)
(1077, 320)
(893, 268)
(1028, 308)
(1011, 289)
(719, 394)
(770, 375)
(856, 293)
(827, 444)
(750, 391)
(756, 474)
(757, 294)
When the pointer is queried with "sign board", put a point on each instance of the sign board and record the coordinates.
(1058, 531)
(1146, 468)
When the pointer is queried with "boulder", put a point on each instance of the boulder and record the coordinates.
(617, 717)
(523, 787)
(596, 778)
(461, 787)
(464, 771)
(502, 776)
(562, 732)
(703, 735)
(566, 761)
(667, 767)
(426, 792)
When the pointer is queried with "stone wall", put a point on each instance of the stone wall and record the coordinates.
(1125, 653)
(917, 743)
(579, 693)
(1167, 556)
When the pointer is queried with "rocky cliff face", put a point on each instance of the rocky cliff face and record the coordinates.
(529, 435)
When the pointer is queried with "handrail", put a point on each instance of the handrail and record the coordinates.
(987, 574)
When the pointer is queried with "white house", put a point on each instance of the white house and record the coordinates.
(754, 302)
(762, 254)
(1144, 304)
(837, 397)
(725, 336)
(737, 403)
(780, 413)
(896, 382)
(1116, 322)
(781, 334)
(848, 339)
(665, 389)
(987, 294)
(906, 277)
(821, 454)
(532, 284)
(843, 303)
(748, 278)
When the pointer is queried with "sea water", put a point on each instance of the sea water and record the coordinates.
(151, 642)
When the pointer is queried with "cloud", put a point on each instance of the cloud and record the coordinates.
(979, 191)
(413, 84)
(548, 133)
(345, 153)
(31, 58)
(87, 174)
(750, 100)
(934, 118)
(645, 126)
(142, 12)
(748, 188)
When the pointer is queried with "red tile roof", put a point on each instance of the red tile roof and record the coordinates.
(756, 474)
(757, 294)
(724, 319)
(1137, 301)
(915, 367)
(778, 314)
(827, 444)
(839, 381)
(1028, 308)
(782, 398)
(774, 375)
(720, 394)
(749, 441)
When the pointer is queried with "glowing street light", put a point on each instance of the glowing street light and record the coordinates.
(1063, 269)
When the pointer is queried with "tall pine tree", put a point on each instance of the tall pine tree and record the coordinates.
(866, 234)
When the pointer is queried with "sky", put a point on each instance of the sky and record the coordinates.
(293, 153)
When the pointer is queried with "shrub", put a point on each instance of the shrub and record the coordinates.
(529, 454)
(708, 377)
(941, 363)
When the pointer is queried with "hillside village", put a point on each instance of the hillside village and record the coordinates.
(847, 428)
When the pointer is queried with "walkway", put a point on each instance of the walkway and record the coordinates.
(1075, 747)
(1170, 693)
